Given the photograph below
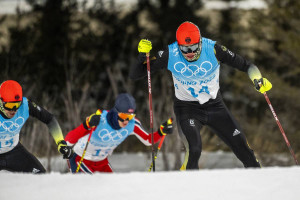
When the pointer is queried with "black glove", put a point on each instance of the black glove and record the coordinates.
(257, 83)
(166, 127)
(93, 120)
(65, 150)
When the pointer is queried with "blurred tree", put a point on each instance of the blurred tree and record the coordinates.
(275, 43)
(279, 33)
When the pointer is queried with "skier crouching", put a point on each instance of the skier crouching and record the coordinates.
(14, 111)
(108, 129)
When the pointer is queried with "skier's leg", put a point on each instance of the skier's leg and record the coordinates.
(84, 167)
(189, 131)
(107, 169)
(227, 128)
(20, 160)
(103, 166)
(72, 162)
(89, 167)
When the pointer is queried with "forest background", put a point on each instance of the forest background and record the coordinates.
(72, 59)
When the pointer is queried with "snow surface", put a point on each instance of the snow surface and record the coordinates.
(275, 183)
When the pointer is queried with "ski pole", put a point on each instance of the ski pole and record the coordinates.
(280, 127)
(170, 121)
(150, 107)
(87, 143)
(158, 148)
(69, 165)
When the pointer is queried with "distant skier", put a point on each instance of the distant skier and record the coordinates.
(109, 128)
(194, 62)
(14, 111)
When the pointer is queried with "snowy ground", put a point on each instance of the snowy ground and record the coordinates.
(219, 184)
(221, 178)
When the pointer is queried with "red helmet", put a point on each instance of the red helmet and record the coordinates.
(11, 91)
(188, 33)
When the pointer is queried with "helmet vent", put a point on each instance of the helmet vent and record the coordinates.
(188, 40)
(17, 97)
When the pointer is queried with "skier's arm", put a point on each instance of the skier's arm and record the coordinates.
(88, 125)
(158, 62)
(47, 118)
(74, 135)
(226, 56)
(232, 59)
(144, 137)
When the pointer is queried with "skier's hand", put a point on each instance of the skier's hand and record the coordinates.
(93, 120)
(166, 127)
(65, 150)
(144, 46)
(262, 85)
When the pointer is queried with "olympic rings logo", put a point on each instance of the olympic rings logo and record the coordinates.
(11, 126)
(114, 136)
(193, 70)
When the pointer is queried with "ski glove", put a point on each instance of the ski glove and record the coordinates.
(262, 85)
(166, 127)
(144, 46)
(65, 150)
(93, 120)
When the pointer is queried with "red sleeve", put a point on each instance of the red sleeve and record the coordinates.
(74, 135)
(143, 136)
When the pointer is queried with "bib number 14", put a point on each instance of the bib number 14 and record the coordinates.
(203, 89)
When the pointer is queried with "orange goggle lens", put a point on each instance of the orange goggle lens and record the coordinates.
(126, 116)
(12, 105)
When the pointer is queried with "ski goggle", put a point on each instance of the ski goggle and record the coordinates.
(125, 116)
(12, 106)
(189, 49)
